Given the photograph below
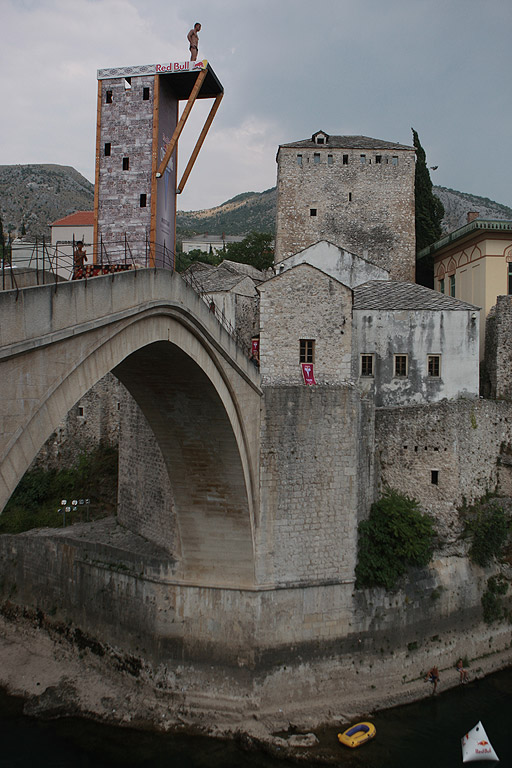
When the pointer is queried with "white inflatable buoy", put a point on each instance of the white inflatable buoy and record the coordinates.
(476, 746)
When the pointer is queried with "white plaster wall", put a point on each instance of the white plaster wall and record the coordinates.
(346, 267)
(418, 333)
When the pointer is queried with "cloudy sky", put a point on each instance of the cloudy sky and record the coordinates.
(288, 67)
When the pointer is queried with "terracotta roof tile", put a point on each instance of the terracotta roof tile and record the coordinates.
(77, 219)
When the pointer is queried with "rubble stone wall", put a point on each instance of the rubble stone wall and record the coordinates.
(498, 349)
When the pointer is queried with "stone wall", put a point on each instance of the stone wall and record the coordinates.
(464, 442)
(316, 482)
(498, 350)
(367, 209)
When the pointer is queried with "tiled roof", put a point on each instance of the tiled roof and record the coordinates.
(78, 219)
(221, 278)
(391, 294)
(349, 142)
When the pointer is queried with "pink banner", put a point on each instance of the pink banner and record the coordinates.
(307, 372)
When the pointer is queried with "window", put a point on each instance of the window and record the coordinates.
(108, 97)
(350, 197)
(362, 159)
(378, 159)
(127, 83)
(143, 201)
(126, 163)
(81, 411)
(307, 350)
(510, 279)
(312, 211)
(434, 476)
(329, 159)
(452, 285)
(434, 366)
(345, 159)
(107, 149)
(299, 160)
(319, 140)
(401, 366)
(145, 94)
(394, 160)
(316, 158)
(441, 285)
(367, 365)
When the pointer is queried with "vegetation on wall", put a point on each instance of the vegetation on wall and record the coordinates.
(256, 249)
(37, 498)
(489, 530)
(396, 536)
(493, 605)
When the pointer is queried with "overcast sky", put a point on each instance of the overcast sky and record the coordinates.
(288, 67)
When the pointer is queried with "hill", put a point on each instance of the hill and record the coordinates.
(36, 195)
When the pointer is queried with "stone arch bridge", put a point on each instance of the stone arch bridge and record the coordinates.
(198, 392)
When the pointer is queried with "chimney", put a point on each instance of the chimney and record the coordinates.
(472, 215)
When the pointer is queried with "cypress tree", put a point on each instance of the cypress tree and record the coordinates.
(428, 215)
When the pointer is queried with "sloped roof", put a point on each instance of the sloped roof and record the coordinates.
(221, 278)
(77, 219)
(394, 295)
(349, 142)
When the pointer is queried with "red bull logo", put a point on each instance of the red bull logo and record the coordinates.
(482, 743)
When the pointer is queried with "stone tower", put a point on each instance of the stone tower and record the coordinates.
(136, 156)
(354, 191)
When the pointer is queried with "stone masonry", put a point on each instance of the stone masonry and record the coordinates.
(498, 350)
(354, 191)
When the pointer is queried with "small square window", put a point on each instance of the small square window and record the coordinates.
(145, 94)
(319, 140)
(329, 160)
(81, 411)
(367, 365)
(434, 476)
(312, 211)
(378, 159)
(143, 200)
(316, 158)
(299, 160)
(108, 97)
(434, 366)
(345, 159)
(126, 163)
(401, 366)
(307, 350)
(394, 160)
(362, 159)
(107, 149)
(127, 83)
(350, 197)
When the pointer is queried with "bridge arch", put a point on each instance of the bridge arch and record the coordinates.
(200, 402)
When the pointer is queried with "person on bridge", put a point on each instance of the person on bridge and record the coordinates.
(79, 256)
(193, 39)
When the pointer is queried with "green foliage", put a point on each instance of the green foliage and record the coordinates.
(492, 603)
(184, 260)
(256, 249)
(396, 535)
(429, 212)
(36, 500)
(489, 530)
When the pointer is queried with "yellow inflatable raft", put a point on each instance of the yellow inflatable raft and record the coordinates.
(357, 734)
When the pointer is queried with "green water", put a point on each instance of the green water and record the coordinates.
(422, 735)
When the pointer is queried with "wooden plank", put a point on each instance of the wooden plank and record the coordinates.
(97, 175)
(199, 143)
(183, 119)
(154, 165)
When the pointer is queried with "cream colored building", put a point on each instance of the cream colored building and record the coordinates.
(474, 264)
(66, 232)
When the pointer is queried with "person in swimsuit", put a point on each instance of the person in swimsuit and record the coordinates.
(193, 39)
(463, 673)
(433, 677)
(79, 256)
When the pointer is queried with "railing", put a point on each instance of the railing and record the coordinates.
(54, 264)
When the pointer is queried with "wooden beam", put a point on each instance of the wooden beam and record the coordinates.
(183, 119)
(154, 165)
(199, 143)
(97, 176)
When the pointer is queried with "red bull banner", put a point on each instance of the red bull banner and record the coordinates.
(152, 69)
(255, 348)
(307, 373)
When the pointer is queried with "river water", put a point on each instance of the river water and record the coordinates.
(422, 735)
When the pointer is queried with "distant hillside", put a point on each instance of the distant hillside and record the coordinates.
(256, 211)
(36, 195)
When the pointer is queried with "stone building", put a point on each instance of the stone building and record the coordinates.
(354, 191)
(400, 343)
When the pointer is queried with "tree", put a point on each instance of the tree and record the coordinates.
(2, 240)
(256, 249)
(429, 213)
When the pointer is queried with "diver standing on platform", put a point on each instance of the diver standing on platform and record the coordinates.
(193, 39)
